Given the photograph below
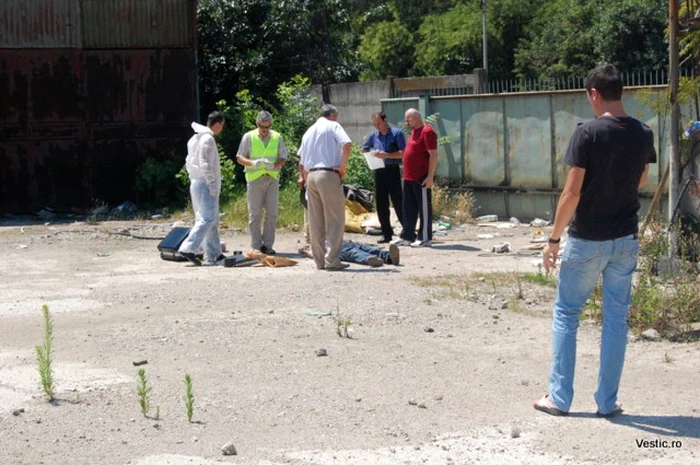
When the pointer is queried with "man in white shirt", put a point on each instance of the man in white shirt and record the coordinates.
(324, 154)
(205, 184)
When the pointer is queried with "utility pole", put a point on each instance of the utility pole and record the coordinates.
(674, 149)
(484, 38)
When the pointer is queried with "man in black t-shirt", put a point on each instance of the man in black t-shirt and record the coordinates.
(609, 159)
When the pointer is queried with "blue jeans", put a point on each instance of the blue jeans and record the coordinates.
(582, 263)
(355, 252)
(206, 227)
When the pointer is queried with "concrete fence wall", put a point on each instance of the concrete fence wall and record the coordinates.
(509, 148)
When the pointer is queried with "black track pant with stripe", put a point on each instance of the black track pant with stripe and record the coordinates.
(417, 205)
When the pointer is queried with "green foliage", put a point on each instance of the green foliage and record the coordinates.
(257, 44)
(668, 304)
(156, 181)
(296, 110)
(690, 41)
(144, 392)
(291, 212)
(189, 397)
(413, 13)
(450, 43)
(653, 246)
(359, 174)
(571, 37)
(228, 178)
(540, 278)
(44, 356)
(342, 323)
(386, 49)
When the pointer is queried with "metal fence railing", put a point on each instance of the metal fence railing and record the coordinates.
(654, 78)
(658, 77)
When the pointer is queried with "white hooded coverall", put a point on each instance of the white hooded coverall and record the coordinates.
(205, 184)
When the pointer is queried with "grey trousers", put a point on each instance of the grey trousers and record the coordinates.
(263, 193)
(326, 217)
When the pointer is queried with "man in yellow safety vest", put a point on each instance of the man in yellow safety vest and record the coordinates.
(262, 153)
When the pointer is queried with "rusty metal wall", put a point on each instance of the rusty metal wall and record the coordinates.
(138, 23)
(88, 90)
(76, 124)
(40, 24)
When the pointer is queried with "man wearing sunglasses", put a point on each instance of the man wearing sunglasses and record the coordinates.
(262, 153)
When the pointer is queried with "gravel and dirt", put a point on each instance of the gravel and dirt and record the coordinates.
(442, 365)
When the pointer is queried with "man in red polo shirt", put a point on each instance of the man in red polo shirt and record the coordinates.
(419, 163)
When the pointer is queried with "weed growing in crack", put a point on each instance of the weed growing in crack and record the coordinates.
(189, 397)
(44, 356)
(144, 392)
(342, 324)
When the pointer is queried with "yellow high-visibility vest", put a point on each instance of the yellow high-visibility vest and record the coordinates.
(258, 150)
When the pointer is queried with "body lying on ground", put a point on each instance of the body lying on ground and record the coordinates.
(364, 254)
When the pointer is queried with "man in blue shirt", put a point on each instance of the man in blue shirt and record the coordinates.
(389, 143)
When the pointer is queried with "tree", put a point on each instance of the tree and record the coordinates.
(450, 43)
(572, 36)
(412, 13)
(258, 44)
(386, 49)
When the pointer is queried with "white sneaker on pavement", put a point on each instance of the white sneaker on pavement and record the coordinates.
(400, 242)
(420, 243)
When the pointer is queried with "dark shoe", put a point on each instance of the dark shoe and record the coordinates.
(617, 410)
(267, 250)
(192, 258)
(394, 254)
(545, 405)
(384, 240)
(220, 257)
(375, 262)
(339, 267)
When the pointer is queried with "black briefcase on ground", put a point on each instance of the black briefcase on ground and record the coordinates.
(171, 243)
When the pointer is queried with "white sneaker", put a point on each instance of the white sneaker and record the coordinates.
(400, 242)
(420, 243)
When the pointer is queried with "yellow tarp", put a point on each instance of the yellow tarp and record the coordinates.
(355, 215)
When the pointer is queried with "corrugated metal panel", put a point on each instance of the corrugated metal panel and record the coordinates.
(137, 23)
(483, 141)
(139, 86)
(449, 123)
(39, 24)
(75, 124)
(529, 141)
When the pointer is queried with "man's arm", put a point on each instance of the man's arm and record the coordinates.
(430, 180)
(344, 157)
(301, 180)
(281, 154)
(568, 201)
(242, 157)
(369, 143)
(645, 176)
(209, 158)
(386, 155)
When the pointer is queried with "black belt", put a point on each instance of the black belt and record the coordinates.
(335, 170)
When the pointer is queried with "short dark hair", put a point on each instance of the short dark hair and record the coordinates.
(607, 80)
(328, 110)
(379, 114)
(215, 117)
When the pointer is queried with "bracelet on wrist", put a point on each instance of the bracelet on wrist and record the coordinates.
(554, 241)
